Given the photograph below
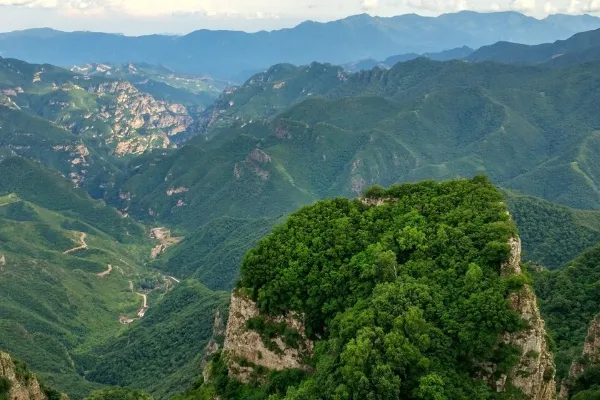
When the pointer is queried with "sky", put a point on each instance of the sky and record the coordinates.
(137, 17)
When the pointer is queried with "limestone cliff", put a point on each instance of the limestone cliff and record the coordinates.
(244, 347)
(535, 371)
(22, 384)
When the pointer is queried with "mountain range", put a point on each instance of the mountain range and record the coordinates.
(244, 246)
(236, 55)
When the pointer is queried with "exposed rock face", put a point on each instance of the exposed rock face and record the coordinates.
(22, 387)
(254, 161)
(534, 374)
(242, 343)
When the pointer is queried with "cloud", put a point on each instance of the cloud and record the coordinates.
(591, 6)
(439, 6)
(369, 5)
(523, 5)
(30, 3)
(583, 6)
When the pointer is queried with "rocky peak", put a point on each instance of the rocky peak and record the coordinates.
(534, 373)
(23, 385)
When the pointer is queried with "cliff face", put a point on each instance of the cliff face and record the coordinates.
(535, 371)
(243, 346)
(23, 385)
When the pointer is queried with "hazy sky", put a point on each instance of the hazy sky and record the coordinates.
(181, 16)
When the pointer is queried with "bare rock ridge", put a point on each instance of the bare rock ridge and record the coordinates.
(23, 385)
(243, 344)
(535, 372)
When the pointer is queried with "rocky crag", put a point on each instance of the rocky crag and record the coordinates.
(17, 383)
(534, 374)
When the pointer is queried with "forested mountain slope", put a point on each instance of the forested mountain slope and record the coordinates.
(527, 128)
(553, 235)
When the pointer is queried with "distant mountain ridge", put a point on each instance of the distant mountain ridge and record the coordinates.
(581, 47)
(226, 54)
(458, 53)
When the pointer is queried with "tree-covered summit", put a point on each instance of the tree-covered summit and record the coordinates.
(401, 290)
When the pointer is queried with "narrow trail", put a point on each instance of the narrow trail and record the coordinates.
(105, 273)
(142, 311)
(80, 247)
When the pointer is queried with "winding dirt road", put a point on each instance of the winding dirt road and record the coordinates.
(105, 273)
(80, 247)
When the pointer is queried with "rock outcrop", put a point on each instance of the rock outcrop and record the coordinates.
(243, 346)
(534, 373)
(23, 385)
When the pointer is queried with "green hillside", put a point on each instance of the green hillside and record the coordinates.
(71, 268)
(55, 241)
(528, 128)
(213, 253)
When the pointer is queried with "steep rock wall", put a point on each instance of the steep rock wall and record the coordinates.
(243, 345)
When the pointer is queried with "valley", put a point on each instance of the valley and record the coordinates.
(425, 226)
